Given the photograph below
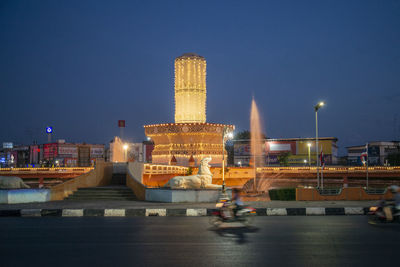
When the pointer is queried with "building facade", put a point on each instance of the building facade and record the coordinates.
(60, 154)
(300, 151)
(378, 152)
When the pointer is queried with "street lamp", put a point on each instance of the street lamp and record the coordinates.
(226, 134)
(316, 108)
(309, 154)
(125, 147)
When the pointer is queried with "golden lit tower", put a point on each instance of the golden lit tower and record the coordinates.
(190, 88)
(190, 138)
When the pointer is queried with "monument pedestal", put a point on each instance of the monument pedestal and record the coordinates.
(184, 195)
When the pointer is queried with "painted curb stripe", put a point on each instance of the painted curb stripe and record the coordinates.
(31, 213)
(276, 212)
(296, 211)
(261, 212)
(114, 212)
(135, 212)
(354, 211)
(334, 211)
(72, 212)
(176, 212)
(196, 212)
(93, 212)
(51, 212)
(156, 212)
(315, 211)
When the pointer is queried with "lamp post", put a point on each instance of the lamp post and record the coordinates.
(226, 134)
(309, 154)
(316, 108)
(125, 147)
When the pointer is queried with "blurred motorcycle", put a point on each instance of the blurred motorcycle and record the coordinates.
(225, 213)
(384, 212)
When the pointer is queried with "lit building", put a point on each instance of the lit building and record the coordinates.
(298, 150)
(378, 152)
(65, 154)
(128, 152)
(190, 138)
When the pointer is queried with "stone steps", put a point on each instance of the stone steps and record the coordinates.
(103, 193)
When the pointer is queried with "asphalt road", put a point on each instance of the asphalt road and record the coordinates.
(190, 241)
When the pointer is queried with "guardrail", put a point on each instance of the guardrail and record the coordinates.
(376, 191)
(328, 169)
(45, 170)
(330, 191)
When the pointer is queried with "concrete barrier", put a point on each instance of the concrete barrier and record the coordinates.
(134, 179)
(184, 195)
(15, 196)
(100, 176)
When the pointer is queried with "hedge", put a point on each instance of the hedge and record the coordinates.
(282, 194)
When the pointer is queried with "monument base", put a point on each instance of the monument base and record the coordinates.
(184, 195)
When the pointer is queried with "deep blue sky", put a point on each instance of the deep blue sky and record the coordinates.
(82, 65)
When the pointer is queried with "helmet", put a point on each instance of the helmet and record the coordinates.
(394, 188)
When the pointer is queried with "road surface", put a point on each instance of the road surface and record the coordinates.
(190, 241)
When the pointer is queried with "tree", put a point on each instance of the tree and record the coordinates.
(246, 135)
(283, 158)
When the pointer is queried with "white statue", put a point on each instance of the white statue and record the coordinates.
(201, 180)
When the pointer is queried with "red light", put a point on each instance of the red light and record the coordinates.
(38, 150)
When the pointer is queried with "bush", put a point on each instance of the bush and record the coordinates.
(282, 194)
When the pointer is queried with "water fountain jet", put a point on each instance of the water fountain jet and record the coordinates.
(256, 139)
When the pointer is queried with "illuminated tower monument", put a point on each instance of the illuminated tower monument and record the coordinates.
(190, 88)
(190, 138)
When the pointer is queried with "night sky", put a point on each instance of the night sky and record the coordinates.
(80, 66)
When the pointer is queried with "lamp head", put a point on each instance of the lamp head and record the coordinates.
(319, 105)
(125, 147)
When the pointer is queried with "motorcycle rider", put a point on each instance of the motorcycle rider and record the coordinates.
(237, 203)
(396, 195)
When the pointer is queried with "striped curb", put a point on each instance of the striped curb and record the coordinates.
(31, 213)
(315, 211)
(114, 212)
(196, 212)
(354, 211)
(156, 212)
(276, 212)
(72, 212)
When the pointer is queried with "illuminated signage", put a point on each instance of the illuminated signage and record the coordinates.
(8, 145)
(49, 130)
